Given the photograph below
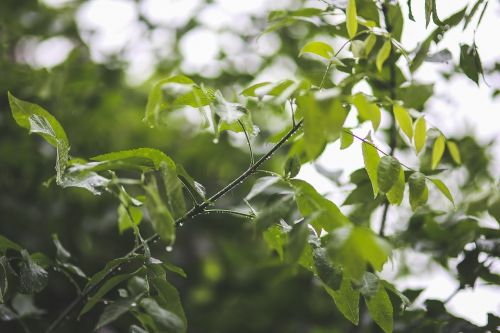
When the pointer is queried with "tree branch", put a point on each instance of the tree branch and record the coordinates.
(196, 210)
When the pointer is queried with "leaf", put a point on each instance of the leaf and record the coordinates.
(346, 139)
(454, 152)
(169, 299)
(292, 166)
(420, 134)
(261, 185)
(369, 44)
(437, 150)
(380, 308)
(347, 300)
(172, 191)
(410, 13)
(160, 217)
(327, 215)
(143, 159)
(318, 48)
(404, 120)
(6, 314)
(395, 194)
(443, 189)
(443, 56)
(137, 329)
(105, 288)
(111, 265)
(328, 272)
(428, 11)
(88, 180)
(470, 63)
(32, 277)
(371, 159)
(383, 54)
(4, 264)
(124, 219)
(297, 240)
(418, 190)
(369, 284)
(62, 254)
(38, 120)
(167, 321)
(354, 247)
(351, 19)
(388, 171)
(193, 186)
(274, 212)
(115, 310)
(173, 268)
(25, 306)
(367, 110)
(181, 91)
(6, 244)
(472, 12)
(275, 238)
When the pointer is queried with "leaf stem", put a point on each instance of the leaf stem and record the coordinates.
(248, 142)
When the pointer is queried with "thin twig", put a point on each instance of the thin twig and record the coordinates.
(248, 141)
(196, 210)
(228, 211)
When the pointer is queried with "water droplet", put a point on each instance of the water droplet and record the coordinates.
(105, 302)
(133, 304)
(215, 140)
(169, 248)
(119, 269)
(180, 224)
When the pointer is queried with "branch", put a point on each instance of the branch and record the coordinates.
(196, 210)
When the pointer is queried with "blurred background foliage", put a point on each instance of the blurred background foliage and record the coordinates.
(233, 283)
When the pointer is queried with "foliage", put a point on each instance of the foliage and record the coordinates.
(286, 256)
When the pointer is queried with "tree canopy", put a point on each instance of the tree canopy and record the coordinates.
(181, 203)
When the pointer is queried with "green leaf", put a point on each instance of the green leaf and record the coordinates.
(292, 166)
(173, 268)
(115, 310)
(166, 321)
(6, 244)
(371, 159)
(347, 300)
(124, 221)
(418, 190)
(275, 238)
(261, 185)
(32, 277)
(62, 254)
(327, 215)
(367, 110)
(388, 171)
(329, 273)
(472, 12)
(25, 307)
(80, 176)
(318, 48)
(420, 134)
(346, 139)
(181, 91)
(396, 193)
(438, 150)
(428, 11)
(410, 12)
(160, 217)
(454, 152)
(173, 191)
(404, 120)
(435, 17)
(470, 63)
(443, 189)
(38, 120)
(383, 54)
(136, 329)
(193, 186)
(380, 308)
(105, 288)
(143, 159)
(274, 212)
(297, 240)
(369, 44)
(169, 299)
(354, 247)
(369, 284)
(351, 18)
(111, 265)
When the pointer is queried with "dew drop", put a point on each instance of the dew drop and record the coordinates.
(215, 140)
(105, 302)
(133, 304)
(169, 248)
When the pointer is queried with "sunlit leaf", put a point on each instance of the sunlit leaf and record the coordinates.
(438, 150)
(420, 134)
(388, 171)
(367, 110)
(371, 159)
(404, 120)
(346, 139)
(143, 159)
(395, 194)
(454, 152)
(443, 189)
(351, 18)
(318, 48)
(383, 54)
(38, 120)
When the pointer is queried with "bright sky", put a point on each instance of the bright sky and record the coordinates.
(460, 106)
